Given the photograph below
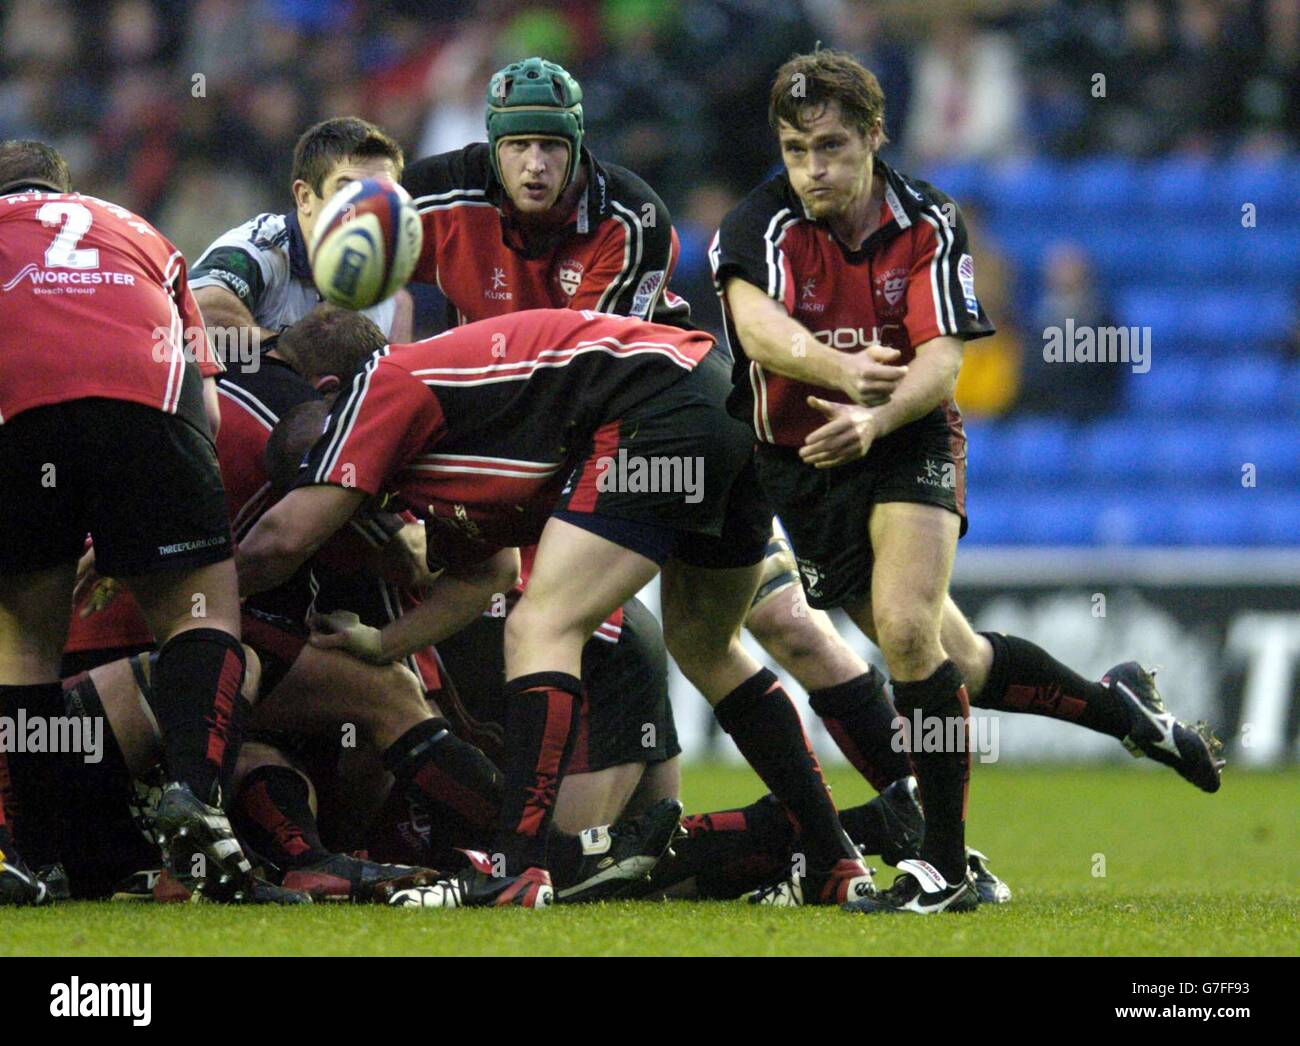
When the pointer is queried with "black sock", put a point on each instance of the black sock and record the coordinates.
(193, 695)
(6, 839)
(943, 776)
(541, 713)
(1026, 678)
(37, 778)
(272, 812)
(109, 839)
(763, 722)
(732, 852)
(860, 718)
(868, 828)
(450, 777)
(564, 857)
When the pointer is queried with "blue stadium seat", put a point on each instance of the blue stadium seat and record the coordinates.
(1271, 184)
(1110, 185)
(1207, 316)
(1036, 187)
(1207, 520)
(1277, 521)
(1177, 186)
(1172, 386)
(1290, 389)
(1186, 452)
(1051, 519)
(1272, 447)
(1250, 385)
(1038, 450)
(1116, 450)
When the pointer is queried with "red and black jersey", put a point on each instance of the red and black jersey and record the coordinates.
(615, 253)
(252, 402)
(96, 304)
(479, 427)
(912, 280)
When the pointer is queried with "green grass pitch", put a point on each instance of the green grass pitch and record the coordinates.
(1185, 874)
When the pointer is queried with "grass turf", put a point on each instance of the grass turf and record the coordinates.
(1185, 874)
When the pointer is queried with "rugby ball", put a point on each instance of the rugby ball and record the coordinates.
(366, 243)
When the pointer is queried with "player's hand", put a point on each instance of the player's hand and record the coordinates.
(343, 630)
(846, 436)
(87, 576)
(102, 593)
(868, 376)
(406, 558)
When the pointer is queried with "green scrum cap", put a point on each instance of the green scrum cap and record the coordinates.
(535, 98)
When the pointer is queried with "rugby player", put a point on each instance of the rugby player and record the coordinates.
(313, 689)
(836, 258)
(495, 433)
(110, 436)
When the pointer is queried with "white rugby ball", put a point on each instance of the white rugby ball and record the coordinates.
(366, 243)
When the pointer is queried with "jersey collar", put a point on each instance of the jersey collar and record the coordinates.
(900, 210)
(299, 263)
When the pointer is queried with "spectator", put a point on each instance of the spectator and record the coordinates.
(966, 96)
(1079, 390)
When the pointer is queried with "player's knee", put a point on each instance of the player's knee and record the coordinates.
(694, 629)
(255, 754)
(252, 675)
(401, 705)
(909, 640)
(787, 636)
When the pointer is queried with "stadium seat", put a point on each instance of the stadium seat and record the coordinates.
(1276, 521)
(1104, 185)
(1117, 450)
(1038, 450)
(1208, 521)
(1251, 385)
(1173, 386)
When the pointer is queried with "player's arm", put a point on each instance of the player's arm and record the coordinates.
(290, 533)
(633, 260)
(376, 426)
(931, 379)
(222, 308)
(210, 364)
(778, 342)
(402, 330)
(212, 404)
(455, 599)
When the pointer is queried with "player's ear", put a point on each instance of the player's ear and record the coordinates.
(303, 194)
(327, 385)
(876, 136)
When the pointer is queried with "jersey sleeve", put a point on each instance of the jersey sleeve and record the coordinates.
(382, 421)
(438, 182)
(749, 245)
(209, 362)
(941, 297)
(630, 269)
(235, 263)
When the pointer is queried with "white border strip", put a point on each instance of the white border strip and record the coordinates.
(1047, 566)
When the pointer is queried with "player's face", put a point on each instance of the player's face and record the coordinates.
(829, 163)
(343, 172)
(532, 171)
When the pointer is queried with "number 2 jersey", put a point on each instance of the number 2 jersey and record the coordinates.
(912, 280)
(96, 304)
(479, 427)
